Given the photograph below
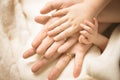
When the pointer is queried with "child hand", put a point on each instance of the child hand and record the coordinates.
(89, 33)
(69, 24)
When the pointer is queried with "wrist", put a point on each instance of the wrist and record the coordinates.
(96, 5)
(101, 41)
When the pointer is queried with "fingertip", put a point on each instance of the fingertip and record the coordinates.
(59, 50)
(24, 56)
(45, 10)
(34, 70)
(49, 6)
(36, 18)
(53, 74)
(47, 55)
(76, 72)
(34, 44)
(50, 33)
(55, 38)
(38, 50)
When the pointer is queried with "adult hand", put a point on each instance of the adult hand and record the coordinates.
(58, 4)
(46, 45)
(79, 50)
(43, 61)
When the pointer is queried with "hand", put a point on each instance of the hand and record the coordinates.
(51, 47)
(69, 24)
(43, 61)
(58, 4)
(89, 33)
(79, 50)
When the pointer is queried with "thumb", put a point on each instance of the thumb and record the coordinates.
(49, 6)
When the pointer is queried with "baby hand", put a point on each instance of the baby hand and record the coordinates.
(69, 24)
(89, 33)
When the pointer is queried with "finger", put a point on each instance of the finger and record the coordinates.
(61, 12)
(59, 29)
(57, 23)
(42, 62)
(53, 48)
(85, 34)
(50, 6)
(68, 44)
(46, 43)
(59, 67)
(87, 28)
(78, 64)
(42, 19)
(83, 40)
(90, 24)
(38, 39)
(29, 52)
(67, 33)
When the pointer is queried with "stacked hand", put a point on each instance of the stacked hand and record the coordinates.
(46, 46)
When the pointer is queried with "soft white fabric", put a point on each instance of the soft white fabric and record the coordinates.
(17, 29)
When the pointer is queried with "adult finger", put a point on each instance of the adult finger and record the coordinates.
(57, 23)
(46, 43)
(42, 34)
(78, 63)
(42, 62)
(42, 19)
(59, 29)
(29, 52)
(61, 12)
(53, 49)
(68, 44)
(67, 33)
(38, 39)
(60, 66)
(49, 6)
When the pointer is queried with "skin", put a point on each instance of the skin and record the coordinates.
(72, 16)
(108, 61)
(79, 54)
(90, 34)
(52, 6)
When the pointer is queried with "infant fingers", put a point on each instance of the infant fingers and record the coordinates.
(83, 40)
(87, 28)
(85, 34)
